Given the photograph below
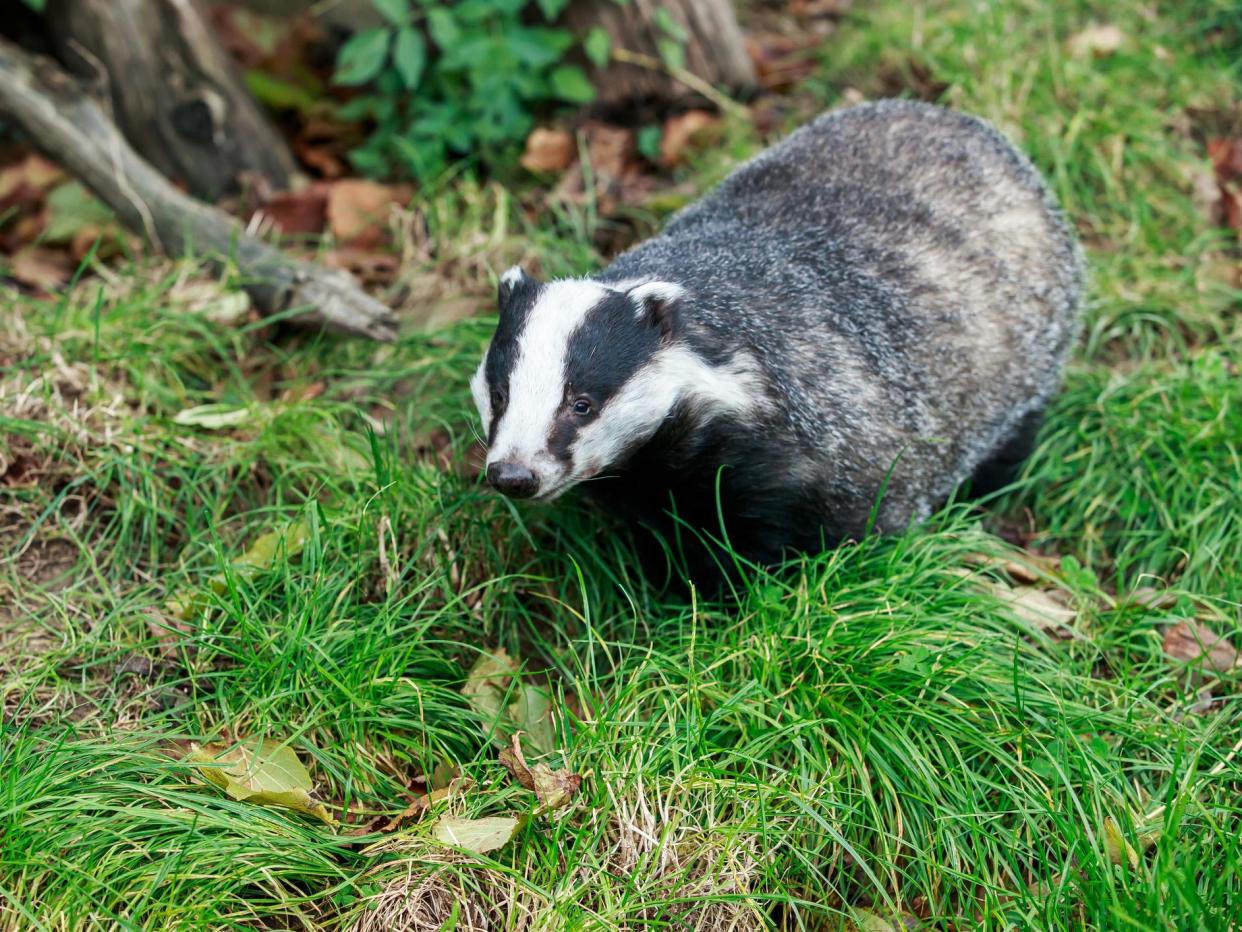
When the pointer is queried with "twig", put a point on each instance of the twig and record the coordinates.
(688, 78)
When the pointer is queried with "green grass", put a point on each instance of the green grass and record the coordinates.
(870, 729)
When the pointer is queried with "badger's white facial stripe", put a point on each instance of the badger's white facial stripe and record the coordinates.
(636, 412)
(537, 381)
(481, 394)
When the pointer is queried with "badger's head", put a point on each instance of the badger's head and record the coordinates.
(577, 377)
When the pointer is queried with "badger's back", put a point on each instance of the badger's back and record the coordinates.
(905, 279)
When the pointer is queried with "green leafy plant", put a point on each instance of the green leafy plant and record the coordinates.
(453, 80)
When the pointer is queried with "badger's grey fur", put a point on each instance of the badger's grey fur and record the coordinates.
(872, 311)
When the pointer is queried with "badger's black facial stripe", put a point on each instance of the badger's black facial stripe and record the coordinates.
(604, 352)
(608, 347)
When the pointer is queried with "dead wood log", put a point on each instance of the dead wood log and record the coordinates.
(171, 90)
(72, 129)
(714, 49)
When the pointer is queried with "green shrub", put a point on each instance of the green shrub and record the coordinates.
(453, 80)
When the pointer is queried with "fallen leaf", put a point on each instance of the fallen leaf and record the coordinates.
(323, 159)
(368, 266)
(781, 61)
(1150, 597)
(680, 132)
(169, 633)
(262, 552)
(1226, 156)
(549, 150)
(185, 606)
(826, 9)
(302, 212)
(487, 685)
(41, 268)
(1040, 608)
(506, 707)
(35, 171)
(1191, 642)
(612, 166)
(324, 144)
(213, 416)
(553, 788)
(531, 712)
(1118, 849)
(865, 921)
(71, 209)
(265, 772)
(1098, 40)
(610, 149)
(358, 210)
(1028, 568)
(476, 835)
(415, 811)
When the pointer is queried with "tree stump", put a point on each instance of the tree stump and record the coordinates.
(171, 90)
(714, 49)
(69, 126)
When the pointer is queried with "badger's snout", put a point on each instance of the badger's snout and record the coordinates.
(513, 479)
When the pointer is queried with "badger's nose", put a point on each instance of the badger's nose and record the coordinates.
(512, 479)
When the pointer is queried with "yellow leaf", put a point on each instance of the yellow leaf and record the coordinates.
(1118, 849)
(264, 772)
(477, 835)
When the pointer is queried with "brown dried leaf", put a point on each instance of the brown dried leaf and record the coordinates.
(34, 171)
(1099, 40)
(1043, 608)
(681, 133)
(610, 150)
(1191, 642)
(1226, 156)
(413, 812)
(369, 267)
(553, 788)
(780, 61)
(1029, 568)
(549, 150)
(1151, 597)
(41, 268)
(168, 632)
(358, 210)
(301, 212)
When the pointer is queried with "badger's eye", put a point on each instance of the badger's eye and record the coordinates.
(582, 407)
(498, 400)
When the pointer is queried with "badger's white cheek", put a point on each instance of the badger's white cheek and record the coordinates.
(627, 421)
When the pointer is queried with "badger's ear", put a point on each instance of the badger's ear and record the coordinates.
(510, 281)
(658, 304)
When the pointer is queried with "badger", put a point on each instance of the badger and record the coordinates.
(849, 327)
